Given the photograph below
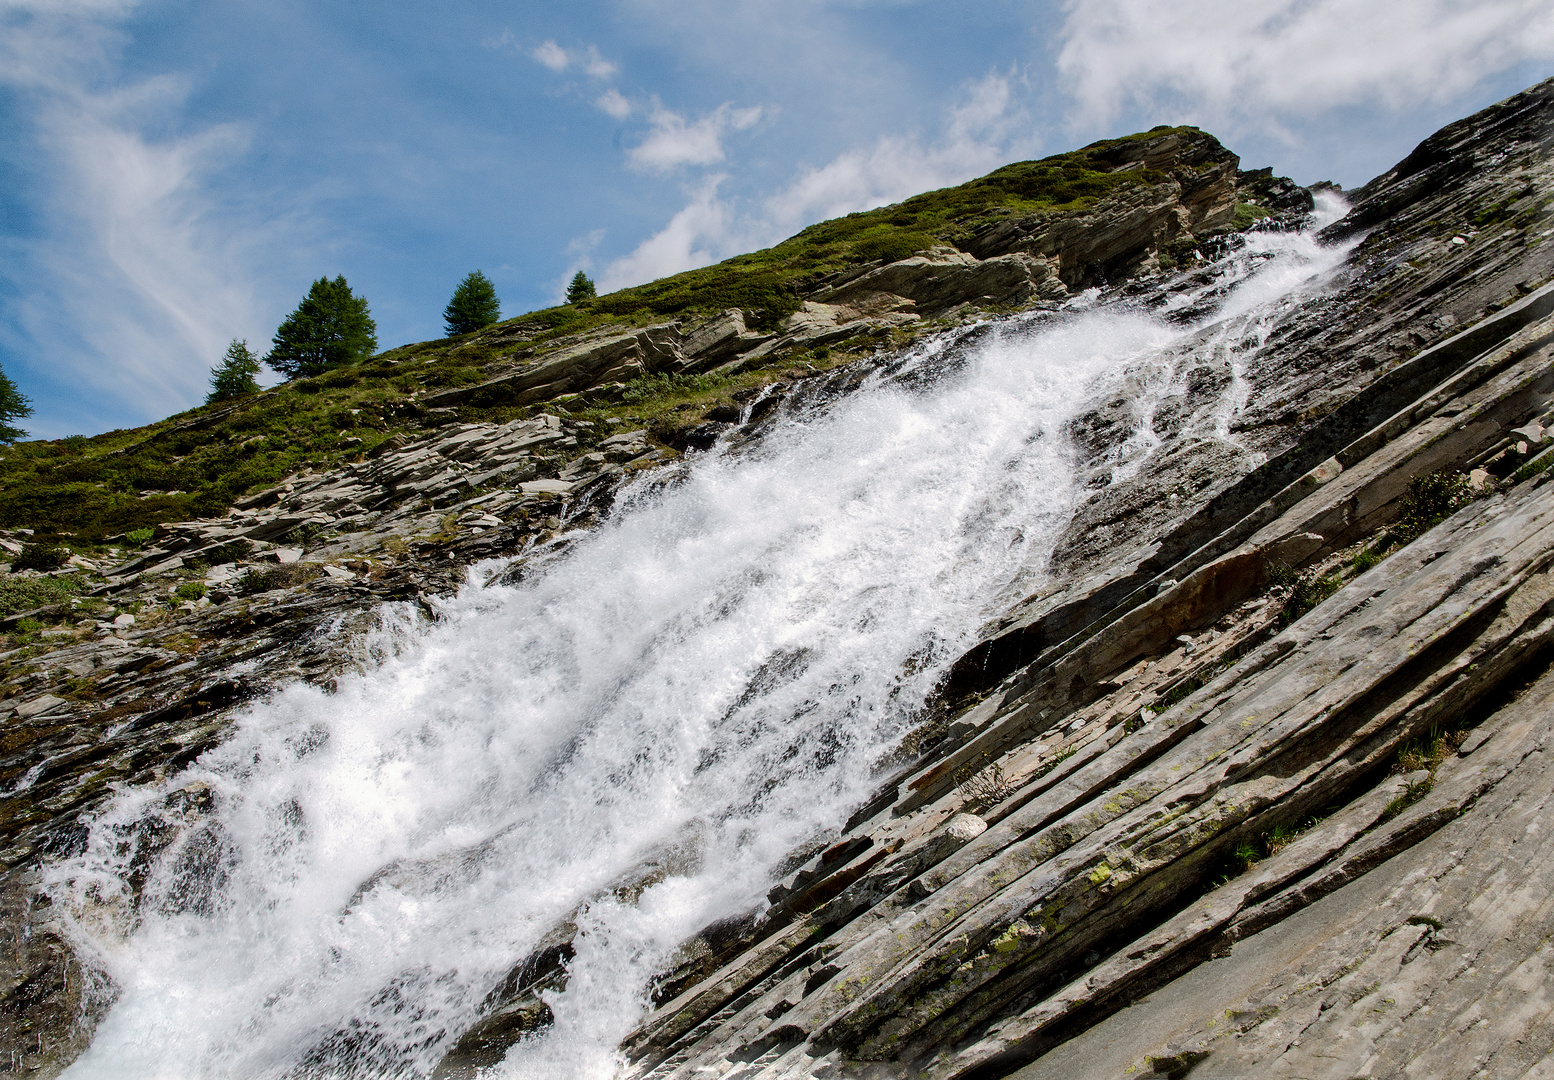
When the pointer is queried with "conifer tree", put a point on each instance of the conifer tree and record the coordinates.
(14, 405)
(582, 288)
(331, 327)
(234, 376)
(474, 305)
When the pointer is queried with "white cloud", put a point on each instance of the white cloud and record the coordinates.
(1234, 60)
(985, 130)
(674, 141)
(696, 236)
(552, 56)
(138, 282)
(597, 66)
(588, 60)
(612, 101)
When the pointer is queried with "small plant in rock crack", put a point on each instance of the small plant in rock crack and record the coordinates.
(1303, 591)
(1057, 760)
(1428, 501)
(1410, 795)
(1429, 750)
(984, 787)
(1247, 854)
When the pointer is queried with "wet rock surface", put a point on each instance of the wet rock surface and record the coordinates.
(1060, 881)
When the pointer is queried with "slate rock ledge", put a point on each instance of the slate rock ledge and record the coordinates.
(1253, 787)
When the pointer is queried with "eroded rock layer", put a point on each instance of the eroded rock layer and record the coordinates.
(1171, 763)
(1252, 787)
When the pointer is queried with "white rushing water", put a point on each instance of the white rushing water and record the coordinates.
(719, 670)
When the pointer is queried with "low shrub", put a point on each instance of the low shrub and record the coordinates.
(278, 577)
(1429, 501)
(24, 594)
(40, 557)
(1304, 590)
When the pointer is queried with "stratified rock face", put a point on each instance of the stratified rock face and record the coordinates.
(1195, 194)
(1172, 819)
(1185, 769)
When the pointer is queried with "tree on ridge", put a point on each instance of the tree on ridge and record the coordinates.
(235, 375)
(474, 305)
(582, 288)
(14, 405)
(330, 328)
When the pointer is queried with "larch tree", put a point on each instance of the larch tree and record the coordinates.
(235, 375)
(582, 288)
(330, 328)
(14, 405)
(474, 305)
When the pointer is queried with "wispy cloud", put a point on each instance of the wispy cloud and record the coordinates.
(614, 103)
(1232, 61)
(986, 128)
(587, 59)
(136, 262)
(675, 141)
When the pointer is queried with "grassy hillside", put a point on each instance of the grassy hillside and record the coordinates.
(196, 463)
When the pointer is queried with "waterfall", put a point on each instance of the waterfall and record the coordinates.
(713, 677)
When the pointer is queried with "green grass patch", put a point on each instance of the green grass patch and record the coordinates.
(25, 593)
(1247, 214)
(197, 463)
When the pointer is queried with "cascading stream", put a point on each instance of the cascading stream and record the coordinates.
(710, 679)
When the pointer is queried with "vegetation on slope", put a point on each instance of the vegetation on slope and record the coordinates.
(197, 463)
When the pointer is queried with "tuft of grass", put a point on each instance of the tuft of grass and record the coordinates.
(1410, 795)
(1429, 750)
(192, 590)
(983, 788)
(1248, 854)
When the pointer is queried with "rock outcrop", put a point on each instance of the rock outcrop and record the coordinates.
(1180, 775)
(1189, 190)
(1251, 788)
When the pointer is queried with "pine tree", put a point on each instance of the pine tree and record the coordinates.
(474, 305)
(234, 376)
(14, 405)
(331, 327)
(582, 288)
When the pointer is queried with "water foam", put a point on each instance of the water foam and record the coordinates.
(708, 680)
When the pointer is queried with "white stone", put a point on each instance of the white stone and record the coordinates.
(546, 487)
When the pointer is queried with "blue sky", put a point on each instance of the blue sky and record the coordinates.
(174, 174)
